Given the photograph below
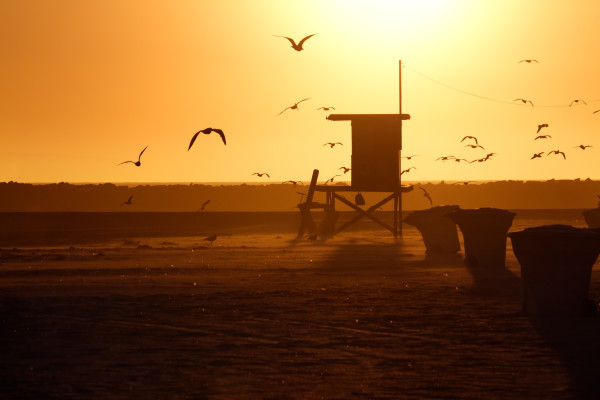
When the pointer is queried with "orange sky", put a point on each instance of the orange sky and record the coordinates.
(88, 84)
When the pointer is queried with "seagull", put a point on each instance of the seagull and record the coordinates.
(464, 182)
(204, 205)
(138, 162)
(577, 101)
(211, 238)
(596, 111)
(583, 146)
(537, 155)
(207, 131)
(331, 179)
(346, 169)
(297, 47)
(128, 202)
(426, 195)
(326, 108)
(541, 126)
(474, 146)
(470, 137)
(487, 157)
(409, 157)
(543, 137)
(460, 159)
(407, 170)
(260, 174)
(445, 158)
(529, 61)
(292, 182)
(524, 101)
(333, 144)
(557, 152)
(294, 107)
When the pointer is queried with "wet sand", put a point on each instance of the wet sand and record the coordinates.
(256, 317)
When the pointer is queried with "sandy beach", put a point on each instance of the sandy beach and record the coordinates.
(257, 316)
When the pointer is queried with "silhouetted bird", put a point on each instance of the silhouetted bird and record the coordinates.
(409, 157)
(583, 146)
(292, 182)
(294, 107)
(211, 238)
(596, 111)
(489, 155)
(346, 169)
(474, 146)
(460, 159)
(464, 182)
(204, 205)
(529, 61)
(537, 155)
(470, 137)
(445, 158)
(426, 195)
(128, 202)
(297, 47)
(326, 108)
(207, 131)
(331, 144)
(541, 126)
(331, 179)
(543, 137)
(557, 152)
(524, 101)
(138, 162)
(260, 174)
(577, 101)
(407, 170)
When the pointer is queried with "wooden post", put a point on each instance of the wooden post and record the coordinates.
(306, 219)
(398, 214)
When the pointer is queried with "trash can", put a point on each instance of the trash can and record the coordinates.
(592, 217)
(439, 232)
(484, 234)
(556, 267)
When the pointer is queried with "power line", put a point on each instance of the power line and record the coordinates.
(484, 97)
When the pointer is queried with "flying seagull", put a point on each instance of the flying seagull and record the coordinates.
(346, 169)
(292, 182)
(445, 158)
(331, 179)
(326, 108)
(138, 162)
(460, 159)
(409, 157)
(297, 47)
(128, 202)
(577, 101)
(537, 155)
(260, 174)
(331, 144)
(543, 137)
(596, 111)
(294, 107)
(407, 170)
(557, 152)
(524, 101)
(470, 137)
(541, 126)
(583, 146)
(426, 195)
(474, 146)
(528, 61)
(204, 205)
(207, 131)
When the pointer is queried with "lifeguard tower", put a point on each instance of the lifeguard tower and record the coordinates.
(375, 166)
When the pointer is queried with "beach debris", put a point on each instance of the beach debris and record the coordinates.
(138, 162)
(293, 107)
(540, 126)
(298, 46)
(332, 144)
(524, 101)
(208, 131)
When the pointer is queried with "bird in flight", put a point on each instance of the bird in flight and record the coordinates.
(529, 61)
(211, 238)
(207, 131)
(557, 152)
(204, 205)
(128, 202)
(583, 146)
(464, 182)
(460, 159)
(138, 162)
(326, 108)
(577, 101)
(331, 179)
(260, 174)
(596, 111)
(407, 170)
(409, 157)
(524, 101)
(346, 169)
(294, 107)
(474, 146)
(445, 158)
(426, 195)
(540, 126)
(331, 144)
(470, 137)
(543, 137)
(292, 182)
(536, 155)
(297, 47)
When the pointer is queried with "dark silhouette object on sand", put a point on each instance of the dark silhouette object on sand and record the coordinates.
(540, 126)
(346, 169)
(484, 235)
(128, 201)
(438, 231)
(556, 265)
(326, 108)
(204, 205)
(331, 144)
(582, 146)
(537, 155)
(557, 152)
(138, 162)
(297, 47)
(543, 137)
(293, 107)
(576, 101)
(208, 131)
(427, 196)
(260, 174)
(211, 238)
(524, 101)
(529, 60)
